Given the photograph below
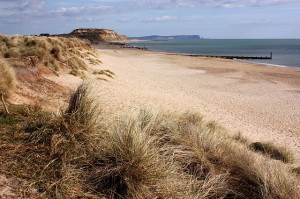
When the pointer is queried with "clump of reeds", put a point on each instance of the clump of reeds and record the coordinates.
(7, 82)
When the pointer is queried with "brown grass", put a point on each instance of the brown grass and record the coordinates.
(106, 73)
(274, 152)
(129, 166)
(88, 152)
(53, 52)
(204, 148)
(7, 80)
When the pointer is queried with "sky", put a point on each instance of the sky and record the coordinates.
(228, 19)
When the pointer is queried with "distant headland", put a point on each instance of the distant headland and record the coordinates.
(94, 35)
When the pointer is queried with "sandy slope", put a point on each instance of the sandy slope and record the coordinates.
(261, 102)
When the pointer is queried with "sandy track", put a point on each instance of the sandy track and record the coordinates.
(261, 102)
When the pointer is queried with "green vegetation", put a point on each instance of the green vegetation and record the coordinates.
(87, 152)
(53, 52)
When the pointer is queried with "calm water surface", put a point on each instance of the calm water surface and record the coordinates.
(286, 52)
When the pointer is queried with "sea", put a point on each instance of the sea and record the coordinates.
(286, 52)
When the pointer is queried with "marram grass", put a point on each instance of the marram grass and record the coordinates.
(95, 154)
(53, 52)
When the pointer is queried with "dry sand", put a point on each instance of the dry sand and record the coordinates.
(262, 102)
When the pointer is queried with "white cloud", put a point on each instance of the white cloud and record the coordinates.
(268, 22)
(160, 19)
(192, 18)
(166, 4)
(164, 19)
(26, 5)
(28, 11)
(124, 20)
(85, 10)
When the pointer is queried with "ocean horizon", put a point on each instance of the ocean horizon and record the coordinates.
(286, 52)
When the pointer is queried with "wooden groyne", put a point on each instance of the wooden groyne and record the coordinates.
(125, 45)
(235, 57)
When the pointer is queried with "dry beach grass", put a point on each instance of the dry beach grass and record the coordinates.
(86, 151)
(53, 52)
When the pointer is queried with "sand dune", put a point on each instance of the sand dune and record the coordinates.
(261, 102)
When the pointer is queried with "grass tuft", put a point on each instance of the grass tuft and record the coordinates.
(107, 73)
(274, 152)
(296, 170)
(129, 166)
(7, 80)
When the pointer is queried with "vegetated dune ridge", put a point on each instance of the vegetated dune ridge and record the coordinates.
(262, 102)
(36, 58)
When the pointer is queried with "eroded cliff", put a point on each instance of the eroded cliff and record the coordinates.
(98, 35)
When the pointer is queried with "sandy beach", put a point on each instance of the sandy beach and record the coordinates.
(261, 102)
(173, 156)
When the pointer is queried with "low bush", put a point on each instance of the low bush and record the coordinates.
(7, 82)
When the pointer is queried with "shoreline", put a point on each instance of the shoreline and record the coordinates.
(234, 59)
(211, 55)
(117, 46)
(220, 57)
(267, 65)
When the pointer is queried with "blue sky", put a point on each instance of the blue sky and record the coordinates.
(208, 18)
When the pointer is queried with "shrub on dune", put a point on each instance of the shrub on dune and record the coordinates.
(75, 128)
(129, 166)
(84, 112)
(7, 82)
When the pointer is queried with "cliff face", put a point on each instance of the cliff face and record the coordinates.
(98, 35)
